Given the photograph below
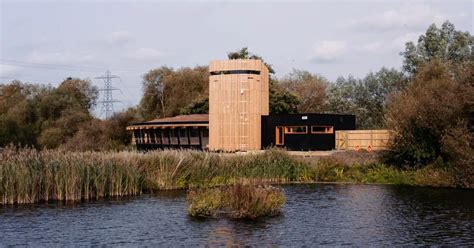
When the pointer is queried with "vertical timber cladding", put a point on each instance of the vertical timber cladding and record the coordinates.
(238, 97)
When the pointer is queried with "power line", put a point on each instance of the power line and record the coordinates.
(56, 66)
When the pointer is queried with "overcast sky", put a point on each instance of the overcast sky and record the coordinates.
(47, 41)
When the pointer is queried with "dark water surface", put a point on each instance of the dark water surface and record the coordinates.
(322, 214)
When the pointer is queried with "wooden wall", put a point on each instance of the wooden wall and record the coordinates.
(362, 139)
(236, 104)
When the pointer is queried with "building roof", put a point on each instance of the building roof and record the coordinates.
(182, 119)
(176, 121)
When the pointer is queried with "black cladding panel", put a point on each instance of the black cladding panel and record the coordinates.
(308, 141)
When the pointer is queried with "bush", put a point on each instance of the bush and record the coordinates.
(236, 201)
(422, 114)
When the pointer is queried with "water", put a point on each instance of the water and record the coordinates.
(322, 214)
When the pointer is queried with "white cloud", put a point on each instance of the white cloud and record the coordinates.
(145, 54)
(8, 70)
(119, 37)
(327, 51)
(371, 47)
(411, 17)
(62, 58)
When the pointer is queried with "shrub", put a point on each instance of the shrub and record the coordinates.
(236, 201)
(422, 114)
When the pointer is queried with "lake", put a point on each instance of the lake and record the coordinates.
(315, 214)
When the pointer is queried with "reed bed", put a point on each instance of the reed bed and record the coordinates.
(29, 176)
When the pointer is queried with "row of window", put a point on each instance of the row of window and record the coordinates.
(314, 129)
(282, 130)
(177, 136)
(235, 72)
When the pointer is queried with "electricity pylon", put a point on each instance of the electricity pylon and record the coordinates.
(107, 97)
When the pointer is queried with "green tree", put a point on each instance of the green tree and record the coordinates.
(445, 43)
(310, 89)
(282, 101)
(199, 106)
(44, 116)
(167, 91)
(366, 98)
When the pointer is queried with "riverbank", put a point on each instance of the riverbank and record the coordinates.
(29, 176)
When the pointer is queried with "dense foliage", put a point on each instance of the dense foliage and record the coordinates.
(168, 92)
(445, 43)
(58, 117)
(433, 117)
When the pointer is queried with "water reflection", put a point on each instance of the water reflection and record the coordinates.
(356, 215)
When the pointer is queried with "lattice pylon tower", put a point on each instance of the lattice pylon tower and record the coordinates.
(108, 101)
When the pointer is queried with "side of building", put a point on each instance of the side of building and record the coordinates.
(238, 97)
(304, 132)
(179, 132)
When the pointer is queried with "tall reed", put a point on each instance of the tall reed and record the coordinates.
(28, 175)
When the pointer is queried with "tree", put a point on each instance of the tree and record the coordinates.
(44, 116)
(18, 116)
(81, 91)
(199, 106)
(155, 88)
(282, 101)
(310, 89)
(366, 98)
(167, 91)
(445, 44)
(432, 117)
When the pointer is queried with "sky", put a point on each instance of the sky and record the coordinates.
(48, 41)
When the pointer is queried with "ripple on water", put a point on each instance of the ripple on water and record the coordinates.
(320, 214)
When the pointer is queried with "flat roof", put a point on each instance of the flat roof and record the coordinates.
(176, 121)
(182, 119)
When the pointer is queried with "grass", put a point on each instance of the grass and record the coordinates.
(236, 201)
(29, 176)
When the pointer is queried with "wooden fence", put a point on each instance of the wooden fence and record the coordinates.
(362, 139)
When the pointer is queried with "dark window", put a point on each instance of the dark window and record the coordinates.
(296, 130)
(174, 136)
(158, 136)
(205, 137)
(166, 139)
(183, 138)
(322, 129)
(235, 72)
(194, 136)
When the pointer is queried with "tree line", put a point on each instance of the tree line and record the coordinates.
(428, 103)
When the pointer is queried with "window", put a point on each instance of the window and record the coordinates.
(194, 136)
(183, 137)
(166, 136)
(235, 72)
(322, 129)
(158, 136)
(174, 136)
(296, 130)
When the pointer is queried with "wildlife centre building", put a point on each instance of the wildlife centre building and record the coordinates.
(239, 118)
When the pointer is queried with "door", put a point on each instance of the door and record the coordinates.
(279, 136)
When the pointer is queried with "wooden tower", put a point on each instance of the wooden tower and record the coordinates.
(238, 97)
